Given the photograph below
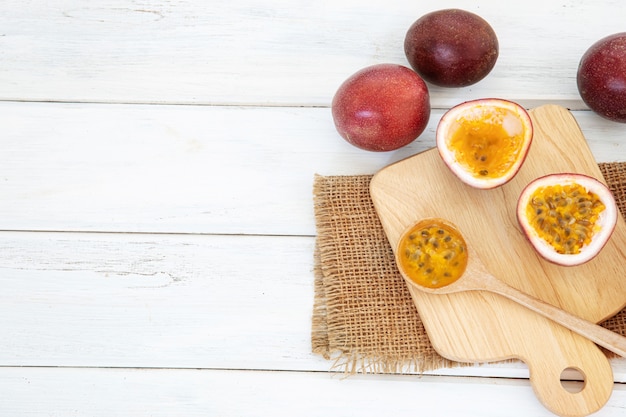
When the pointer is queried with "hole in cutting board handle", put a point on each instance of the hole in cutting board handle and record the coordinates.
(573, 380)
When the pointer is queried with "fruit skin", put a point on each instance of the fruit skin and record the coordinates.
(601, 77)
(607, 220)
(382, 107)
(449, 157)
(451, 47)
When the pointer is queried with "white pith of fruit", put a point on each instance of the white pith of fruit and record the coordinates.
(515, 122)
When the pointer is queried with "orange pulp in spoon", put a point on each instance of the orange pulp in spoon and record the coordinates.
(432, 253)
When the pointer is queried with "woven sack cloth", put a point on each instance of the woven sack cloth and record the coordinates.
(364, 318)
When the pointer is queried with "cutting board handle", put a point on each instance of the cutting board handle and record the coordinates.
(546, 372)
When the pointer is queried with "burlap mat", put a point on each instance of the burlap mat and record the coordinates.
(363, 315)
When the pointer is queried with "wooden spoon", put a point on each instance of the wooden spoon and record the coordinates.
(432, 256)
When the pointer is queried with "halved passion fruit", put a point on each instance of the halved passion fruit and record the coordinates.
(485, 142)
(568, 218)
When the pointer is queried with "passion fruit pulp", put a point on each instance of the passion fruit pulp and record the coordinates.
(485, 142)
(568, 218)
(432, 253)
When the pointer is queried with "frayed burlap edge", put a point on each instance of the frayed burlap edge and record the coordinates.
(364, 319)
(351, 359)
(351, 322)
(319, 332)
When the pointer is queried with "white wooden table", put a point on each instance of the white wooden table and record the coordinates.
(157, 229)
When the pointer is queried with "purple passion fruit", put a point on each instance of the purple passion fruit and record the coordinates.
(382, 107)
(601, 77)
(451, 47)
(485, 142)
(568, 218)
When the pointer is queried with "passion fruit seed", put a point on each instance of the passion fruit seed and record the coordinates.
(485, 147)
(565, 216)
(433, 255)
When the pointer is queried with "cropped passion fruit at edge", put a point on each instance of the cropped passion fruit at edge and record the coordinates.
(485, 142)
(601, 77)
(568, 218)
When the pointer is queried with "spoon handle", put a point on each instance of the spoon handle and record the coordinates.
(598, 334)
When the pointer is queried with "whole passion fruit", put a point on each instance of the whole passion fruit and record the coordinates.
(485, 142)
(568, 218)
(451, 47)
(382, 107)
(601, 77)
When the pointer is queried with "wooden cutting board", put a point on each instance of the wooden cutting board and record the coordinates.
(481, 327)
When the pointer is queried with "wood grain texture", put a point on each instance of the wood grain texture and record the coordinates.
(201, 392)
(482, 327)
(475, 277)
(99, 300)
(189, 169)
(282, 52)
(145, 143)
(156, 301)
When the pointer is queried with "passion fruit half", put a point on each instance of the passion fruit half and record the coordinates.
(485, 142)
(568, 218)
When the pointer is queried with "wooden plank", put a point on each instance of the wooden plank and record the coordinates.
(169, 168)
(190, 169)
(169, 392)
(144, 300)
(156, 301)
(285, 52)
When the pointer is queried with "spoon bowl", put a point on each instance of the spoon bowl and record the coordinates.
(433, 257)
